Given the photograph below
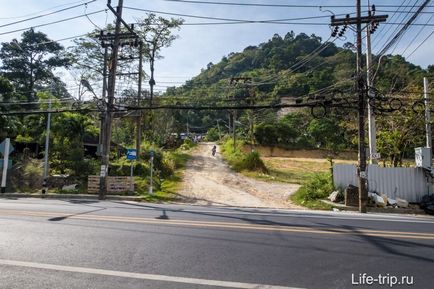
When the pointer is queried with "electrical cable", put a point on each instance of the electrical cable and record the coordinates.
(231, 20)
(403, 29)
(416, 36)
(420, 44)
(269, 5)
(51, 23)
(400, 37)
(43, 15)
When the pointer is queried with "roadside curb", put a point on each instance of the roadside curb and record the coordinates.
(408, 211)
(70, 196)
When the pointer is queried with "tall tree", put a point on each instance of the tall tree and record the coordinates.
(30, 62)
(157, 34)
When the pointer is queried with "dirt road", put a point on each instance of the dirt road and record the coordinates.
(208, 180)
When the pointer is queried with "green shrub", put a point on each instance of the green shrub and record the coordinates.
(188, 144)
(212, 134)
(240, 161)
(317, 187)
(122, 167)
(251, 162)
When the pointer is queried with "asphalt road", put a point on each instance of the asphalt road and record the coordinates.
(80, 244)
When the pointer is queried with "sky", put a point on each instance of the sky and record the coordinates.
(199, 44)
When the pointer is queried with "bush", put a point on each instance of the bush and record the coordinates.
(251, 162)
(240, 161)
(122, 167)
(212, 134)
(26, 175)
(317, 187)
(188, 144)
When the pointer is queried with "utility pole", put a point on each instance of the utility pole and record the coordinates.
(188, 125)
(235, 81)
(372, 132)
(47, 144)
(104, 96)
(218, 127)
(110, 100)
(360, 87)
(363, 198)
(427, 113)
(139, 95)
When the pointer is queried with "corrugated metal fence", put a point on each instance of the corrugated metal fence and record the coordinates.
(410, 184)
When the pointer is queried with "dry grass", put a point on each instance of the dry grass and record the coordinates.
(295, 170)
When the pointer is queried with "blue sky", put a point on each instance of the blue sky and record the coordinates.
(200, 44)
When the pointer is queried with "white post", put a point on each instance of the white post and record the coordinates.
(371, 118)
(5, 164)
(151, 182)
(132, 177)
(427, 113)
(47, 144)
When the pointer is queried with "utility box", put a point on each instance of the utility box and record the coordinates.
(423, 157)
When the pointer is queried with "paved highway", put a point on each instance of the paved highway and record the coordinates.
(118, 245)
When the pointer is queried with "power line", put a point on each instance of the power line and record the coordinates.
(51, 23)
(231, 21)
(417, 35)
(400, 37)
(420, 44)
(34, 13)
(403, 29)
(227, 19)
(269, 5)
(46, 14)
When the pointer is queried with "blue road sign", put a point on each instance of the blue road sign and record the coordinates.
(131, 154)
(2, 148)
(152, 153)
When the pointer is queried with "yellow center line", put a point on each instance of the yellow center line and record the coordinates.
(228, 225)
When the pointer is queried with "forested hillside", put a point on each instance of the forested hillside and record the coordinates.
(299, 68)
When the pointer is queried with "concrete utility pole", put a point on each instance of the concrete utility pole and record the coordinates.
(47, 145)
(7, 144)
(427, 113)
(360, 86)
(372, 132)
(110, 101)
(235, 81)
(218, 127)
(104, 96)
(139, 95)
(363, 196)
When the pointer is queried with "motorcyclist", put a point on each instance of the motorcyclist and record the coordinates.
(214, 149)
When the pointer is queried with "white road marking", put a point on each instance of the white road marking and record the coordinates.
(153, 277)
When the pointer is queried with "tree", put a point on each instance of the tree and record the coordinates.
(30, 62)
(9, 124)
(157, 34)
(398, 134)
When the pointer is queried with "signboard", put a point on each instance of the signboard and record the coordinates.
(423, 157)
(131, 154)
(152, 153)
(375, 156)
(103, 171)
(2, 148)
